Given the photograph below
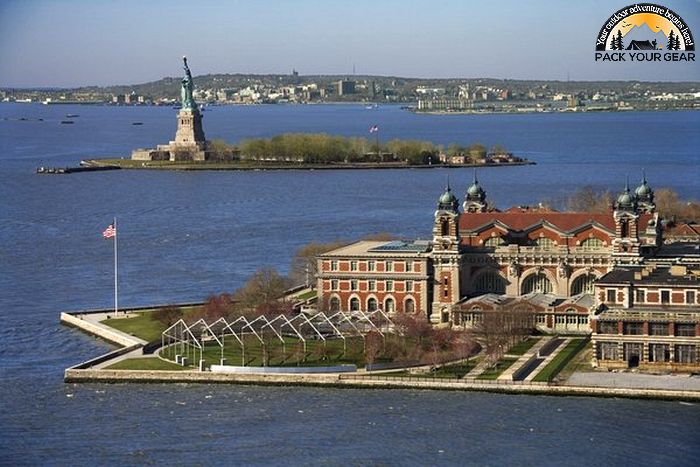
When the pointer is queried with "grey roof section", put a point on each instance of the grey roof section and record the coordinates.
(679, 250)
(419, 246)
(660, 276)
(539, 299)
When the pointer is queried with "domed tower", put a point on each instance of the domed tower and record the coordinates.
(475, 198)
(446, 229)
(626, 214)
(645, 196)
(446, 257)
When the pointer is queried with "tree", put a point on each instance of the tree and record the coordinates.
(373, 346)
(500, 329)
(671, 41)
(672, 208)
(619, 44)
(613, 43)
(305, 264)
(262, 292)
(587, 199)
(168, 315)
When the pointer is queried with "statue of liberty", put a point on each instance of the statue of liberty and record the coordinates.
(187, 87)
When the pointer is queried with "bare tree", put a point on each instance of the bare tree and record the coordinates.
(373, 346)
(304, 268)
(501, 329)
(167, 315)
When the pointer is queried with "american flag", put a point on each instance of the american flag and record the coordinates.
(110, 231)
(374, 128)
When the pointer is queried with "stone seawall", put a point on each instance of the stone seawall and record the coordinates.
(118, 376)
(104, 332)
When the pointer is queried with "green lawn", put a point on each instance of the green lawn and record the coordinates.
(456, 370)
(145, 364)
(307, 295)
(522, 347)
(276, 354)
(141, 326)
(501, 366)
(554, 367)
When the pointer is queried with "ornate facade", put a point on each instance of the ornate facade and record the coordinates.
(556, 265)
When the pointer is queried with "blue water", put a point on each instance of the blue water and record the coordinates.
(186, 235)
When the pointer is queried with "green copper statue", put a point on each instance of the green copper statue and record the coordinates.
(187, 87)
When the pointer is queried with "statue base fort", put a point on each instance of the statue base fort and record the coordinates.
(189, 144)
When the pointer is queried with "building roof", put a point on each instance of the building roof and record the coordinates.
(541, 300)
(661, 276)
(518, 220)
(367, 248)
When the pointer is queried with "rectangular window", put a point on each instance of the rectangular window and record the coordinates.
(685, 330)
(334, 265)
(607, 327)
(370, 266)
(607, 351)
(372, 286)
(389, 286)
(445, 293)
(409, 266)
(640, 296)
(665, 296)
(685, 354)
(334, 284)
(389, 266)
(583, 320)
(611, 295)
(689, 297)
(541, 319)
(560, 319)
(633, 329)
(353, 285)
(659, 353)
(658, 329)
(353, 265)
(409, 286)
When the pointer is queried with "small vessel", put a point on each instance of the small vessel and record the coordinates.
(72, 115)
(137, 123)
(67, 122)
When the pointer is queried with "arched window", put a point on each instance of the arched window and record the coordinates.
(592, 244)
(544, 243)
(624, 229)
(354, 304)
(493, 242)
(389, 306)
(444, 227)
(371, 304)
(537, 283)
(335, 304)
(490, 282)
(583, 284)
(410, 306)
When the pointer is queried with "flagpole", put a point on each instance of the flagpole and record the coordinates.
(116, 295)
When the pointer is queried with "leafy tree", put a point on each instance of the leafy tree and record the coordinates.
(262, 293)
(613, 43)
(167, 315)
(304, 262)
(587, 199)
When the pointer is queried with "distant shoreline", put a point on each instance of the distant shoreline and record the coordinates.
(252, 166)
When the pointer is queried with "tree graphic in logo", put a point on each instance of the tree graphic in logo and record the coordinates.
(645, 26)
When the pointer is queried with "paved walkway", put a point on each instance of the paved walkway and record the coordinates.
(634, 380)
(507, 375)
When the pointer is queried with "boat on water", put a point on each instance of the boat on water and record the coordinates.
(67, 122)
(137, 123)
(72, 115)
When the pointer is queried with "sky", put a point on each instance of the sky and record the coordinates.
(99, 42)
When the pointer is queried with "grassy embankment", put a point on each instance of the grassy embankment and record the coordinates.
(141, 324)
(145, 364)
(559, 362)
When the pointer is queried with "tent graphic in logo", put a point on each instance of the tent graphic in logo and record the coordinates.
(645, 26)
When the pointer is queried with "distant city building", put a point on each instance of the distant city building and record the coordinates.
(444, 104)
(344, 87)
